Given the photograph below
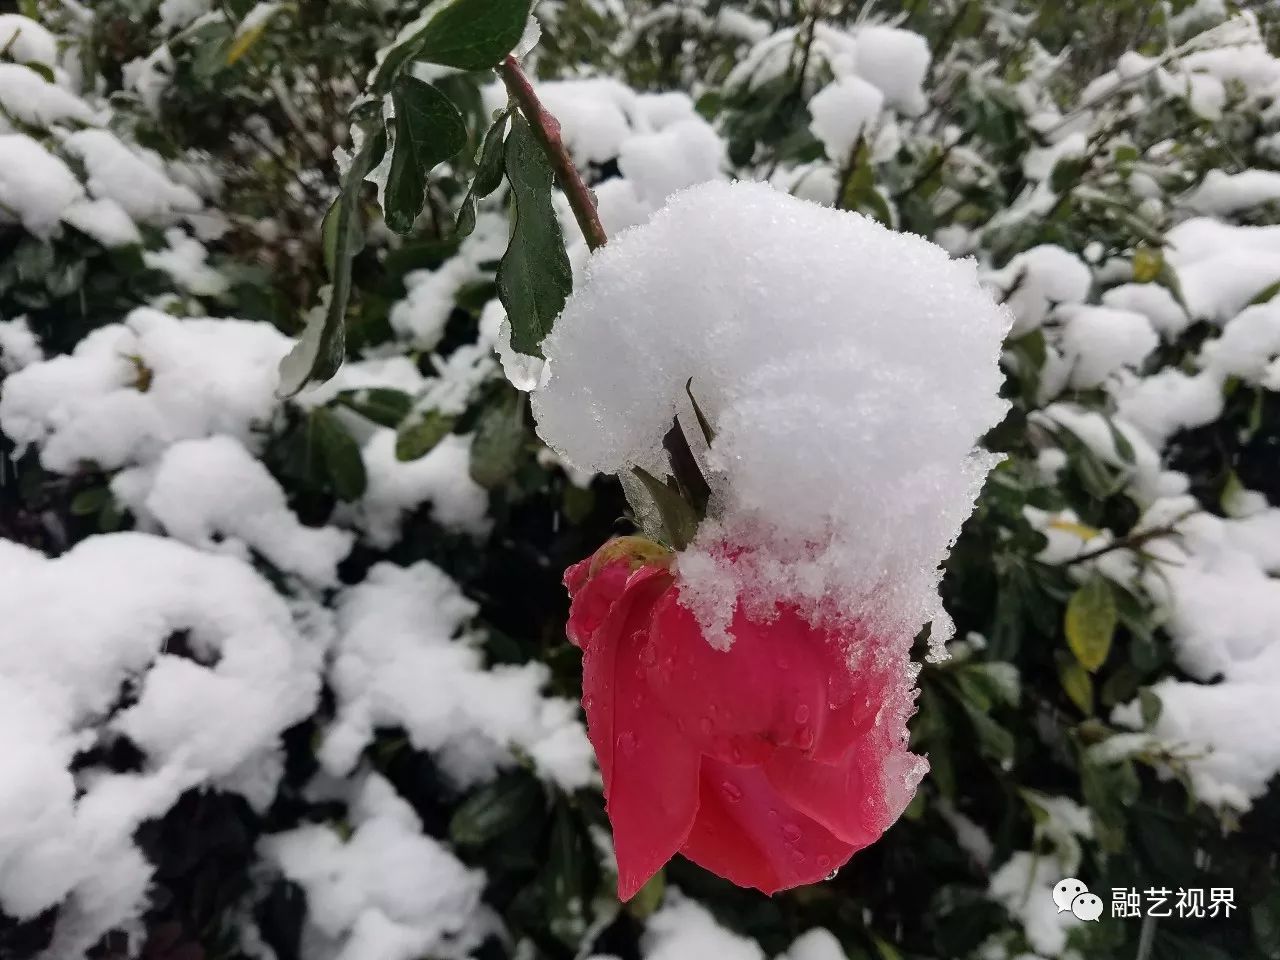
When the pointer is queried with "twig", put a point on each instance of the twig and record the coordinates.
(547, 130)
(1131, 542)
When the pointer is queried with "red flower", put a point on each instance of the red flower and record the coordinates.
(769, 764)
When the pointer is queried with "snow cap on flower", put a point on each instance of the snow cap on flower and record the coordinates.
(847, 372)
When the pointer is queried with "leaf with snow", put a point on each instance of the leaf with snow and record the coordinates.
(428, 130)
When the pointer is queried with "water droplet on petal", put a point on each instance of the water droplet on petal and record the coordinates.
(587, 702)
(773, 814)
(791, 832)
(802, 713)
(824, 861)
(804, 738)
(798, 855)
(731, 791)
(627, 742)
(833, 874)
(705, 725)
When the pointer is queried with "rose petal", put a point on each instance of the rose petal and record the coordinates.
(770, 688)
(593, 597)
(843, 797)
(650, 769)
(747, 833)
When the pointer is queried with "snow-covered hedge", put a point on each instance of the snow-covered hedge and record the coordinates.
(286, 677)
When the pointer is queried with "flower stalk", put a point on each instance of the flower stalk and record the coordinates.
(547, 130)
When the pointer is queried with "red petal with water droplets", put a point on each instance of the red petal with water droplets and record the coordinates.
(593, 596)
(650, 769)
(770, 688)
(747, 833)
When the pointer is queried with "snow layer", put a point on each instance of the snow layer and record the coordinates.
(388, 891)
(35, 186)
(80, 631)
(402, 660)
(213, 494)
(808, 333)
(843, 113)
(131, 389)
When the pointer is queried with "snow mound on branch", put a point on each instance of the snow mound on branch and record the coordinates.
(402, 659)
(194, 658)
(847, 371)
(131, 389)
(387, 891)
(213, 494)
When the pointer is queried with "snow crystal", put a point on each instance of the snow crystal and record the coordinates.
(1098, 341)
(135, 180)
(842, 114)
(388, 891)
(78, 628)
(678, 155)
(399, 662)
(867, 505)
(35, 186)
(130, 389)
(213, 494)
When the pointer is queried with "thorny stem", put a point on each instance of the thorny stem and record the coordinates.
(547, 130)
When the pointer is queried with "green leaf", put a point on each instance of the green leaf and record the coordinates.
(1148, 262)
(1150, 705)
(418, 437)
(429, 130)
(1265, 920)
(564, 886)
(679, 520)
(320, 350)
(1077, 684)
(1066, 174)
(488, 175)
(467, 34)
(1091, 622)
(495, 449)
(246, 38)
(703, 424)
(382, 405)
(649, 897)
(534, 278)
(329, 235)
(494, 809)
(89, 501)
(1266, 294)
(1123, 447)
(339, 454)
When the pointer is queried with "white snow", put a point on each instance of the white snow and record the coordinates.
(684, 929)
(134, 179)
(1153, 301)
(31, 99)
(78, 628)
(1249, 347)
(866, 505)
(1036, 280)
(895, 61)
(213, 494)
(184, 260)
(104, 220)
(35, 186)
(18, 345)
(388, 891)
(1222, 194)
(843, 114)
(403, 659)
(202, 377)
(1099, 341)
(396, 487)
(27, 41)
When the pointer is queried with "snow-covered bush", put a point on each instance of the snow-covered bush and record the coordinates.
(285, 676)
